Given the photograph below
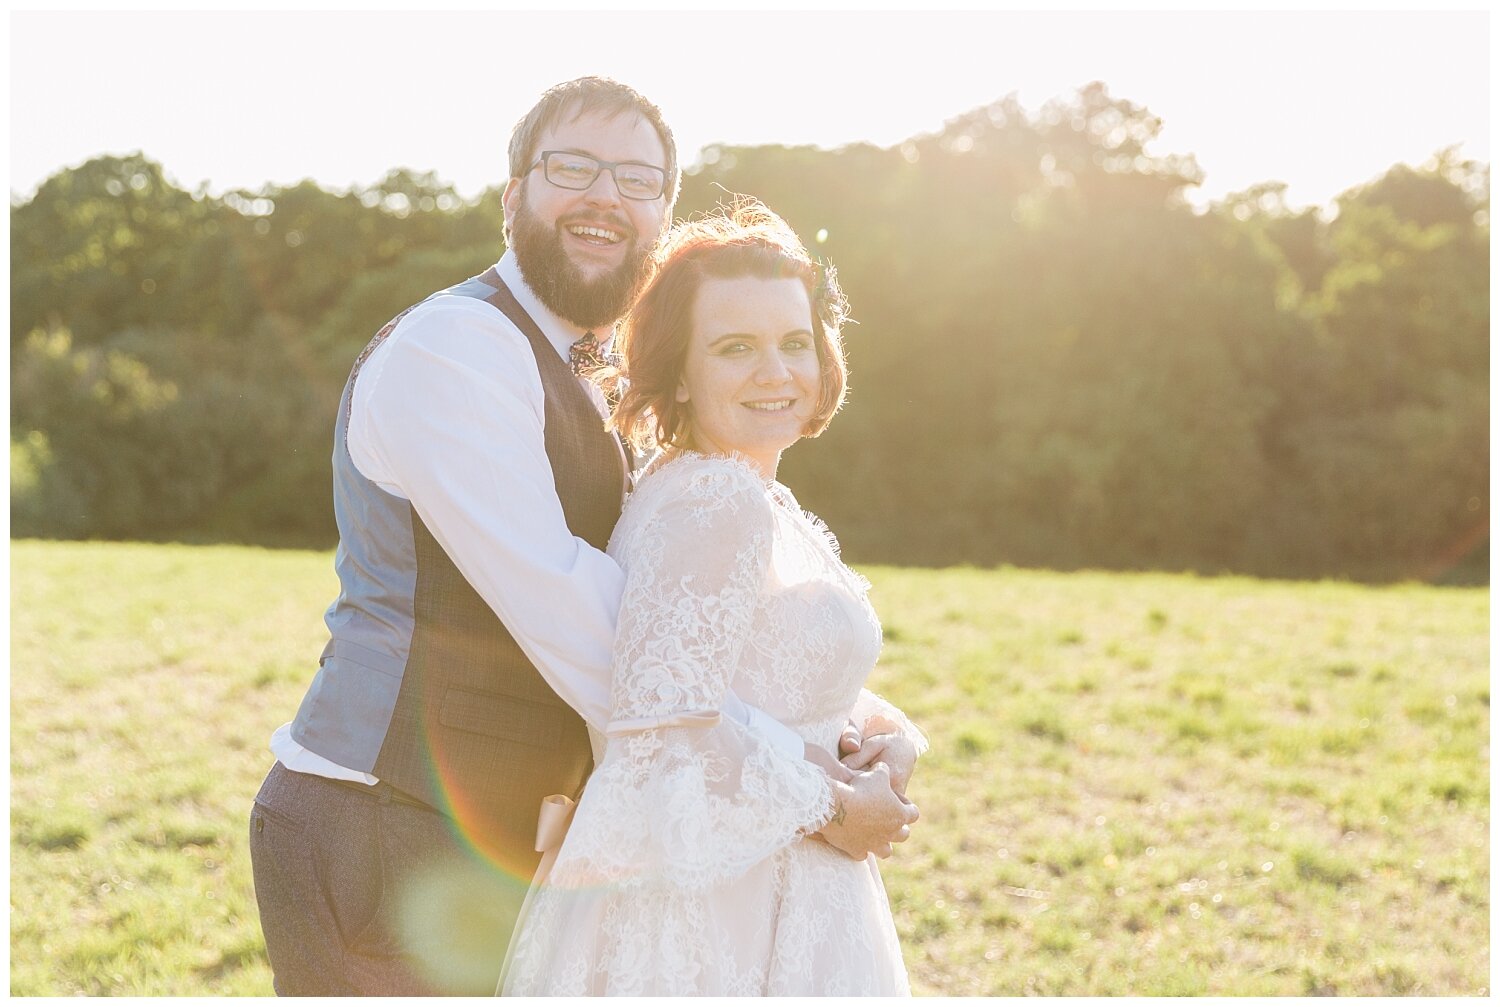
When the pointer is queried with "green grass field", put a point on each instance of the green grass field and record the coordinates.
(1140, 784)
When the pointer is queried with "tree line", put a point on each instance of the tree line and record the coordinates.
(1056, 362)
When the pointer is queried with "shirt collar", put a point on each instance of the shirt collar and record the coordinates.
(562, 334)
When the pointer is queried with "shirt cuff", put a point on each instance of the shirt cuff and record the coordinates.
(772, 730)
(777, 733)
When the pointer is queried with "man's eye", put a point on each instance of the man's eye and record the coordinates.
(572, 168)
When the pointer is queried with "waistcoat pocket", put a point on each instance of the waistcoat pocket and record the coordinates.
(500, 716)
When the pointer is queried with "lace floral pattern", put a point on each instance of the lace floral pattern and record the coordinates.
(684, 870)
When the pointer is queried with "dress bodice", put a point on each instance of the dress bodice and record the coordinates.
(812, 637)
(687, 869)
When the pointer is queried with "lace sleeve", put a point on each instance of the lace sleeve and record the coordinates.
(874, 715)
(683, 794)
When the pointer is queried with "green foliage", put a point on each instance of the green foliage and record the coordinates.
(1056, 362)
(147, 434)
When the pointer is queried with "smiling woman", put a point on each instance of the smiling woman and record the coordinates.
(750, 381)
(693, 863)
(734, 347)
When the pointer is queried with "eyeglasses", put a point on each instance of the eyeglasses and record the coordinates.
(578, 171)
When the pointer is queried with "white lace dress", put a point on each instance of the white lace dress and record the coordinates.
(685, 870)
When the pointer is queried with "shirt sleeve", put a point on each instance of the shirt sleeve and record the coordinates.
(448, 413)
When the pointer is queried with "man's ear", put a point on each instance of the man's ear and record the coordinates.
(510, 199)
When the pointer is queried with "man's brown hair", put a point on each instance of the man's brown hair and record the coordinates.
(598, 95)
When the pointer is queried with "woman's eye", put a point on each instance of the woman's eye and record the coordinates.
(797, 344)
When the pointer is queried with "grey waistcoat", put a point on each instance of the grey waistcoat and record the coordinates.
(421, 684)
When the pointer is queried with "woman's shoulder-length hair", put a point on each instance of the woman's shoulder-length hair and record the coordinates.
(742, 238)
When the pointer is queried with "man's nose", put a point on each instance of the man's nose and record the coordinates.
(604, 191)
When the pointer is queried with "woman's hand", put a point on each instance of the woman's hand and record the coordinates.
(821, 758)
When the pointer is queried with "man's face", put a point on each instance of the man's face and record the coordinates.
(583, 250)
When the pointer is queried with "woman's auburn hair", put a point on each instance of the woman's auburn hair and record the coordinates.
(740, 239)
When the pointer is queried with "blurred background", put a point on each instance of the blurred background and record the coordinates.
(1178, 291)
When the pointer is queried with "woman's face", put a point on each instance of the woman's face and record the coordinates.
(751, 380)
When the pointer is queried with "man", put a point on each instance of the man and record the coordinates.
(475, 488)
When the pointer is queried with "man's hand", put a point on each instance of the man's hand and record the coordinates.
(894, 751)
(868, 815)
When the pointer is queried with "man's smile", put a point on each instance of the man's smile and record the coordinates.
(596, 235)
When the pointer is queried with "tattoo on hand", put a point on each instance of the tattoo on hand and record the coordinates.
(839, 814)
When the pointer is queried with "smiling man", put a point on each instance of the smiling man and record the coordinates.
(475, 488)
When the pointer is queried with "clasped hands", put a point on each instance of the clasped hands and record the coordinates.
(871, 811)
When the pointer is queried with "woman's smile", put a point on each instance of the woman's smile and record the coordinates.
(752, 378)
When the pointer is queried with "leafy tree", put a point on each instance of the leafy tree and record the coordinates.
(98, 249)
(1054, 360)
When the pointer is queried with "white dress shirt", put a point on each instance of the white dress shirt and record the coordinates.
(448, 413)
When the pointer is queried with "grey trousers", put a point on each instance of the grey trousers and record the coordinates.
(361, 895)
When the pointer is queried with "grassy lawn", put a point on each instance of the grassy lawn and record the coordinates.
(1140, 784)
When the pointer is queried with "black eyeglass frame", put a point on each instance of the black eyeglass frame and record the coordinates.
(599, 166)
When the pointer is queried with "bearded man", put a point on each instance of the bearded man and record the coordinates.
(475, 489)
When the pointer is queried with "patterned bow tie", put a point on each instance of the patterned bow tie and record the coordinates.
(585, 355)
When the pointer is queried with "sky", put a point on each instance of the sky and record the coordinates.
(1322, 102)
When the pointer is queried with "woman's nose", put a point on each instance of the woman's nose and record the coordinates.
(772, 369)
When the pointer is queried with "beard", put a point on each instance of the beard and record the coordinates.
(561, 285)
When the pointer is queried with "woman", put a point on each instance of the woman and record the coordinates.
(690, 865)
